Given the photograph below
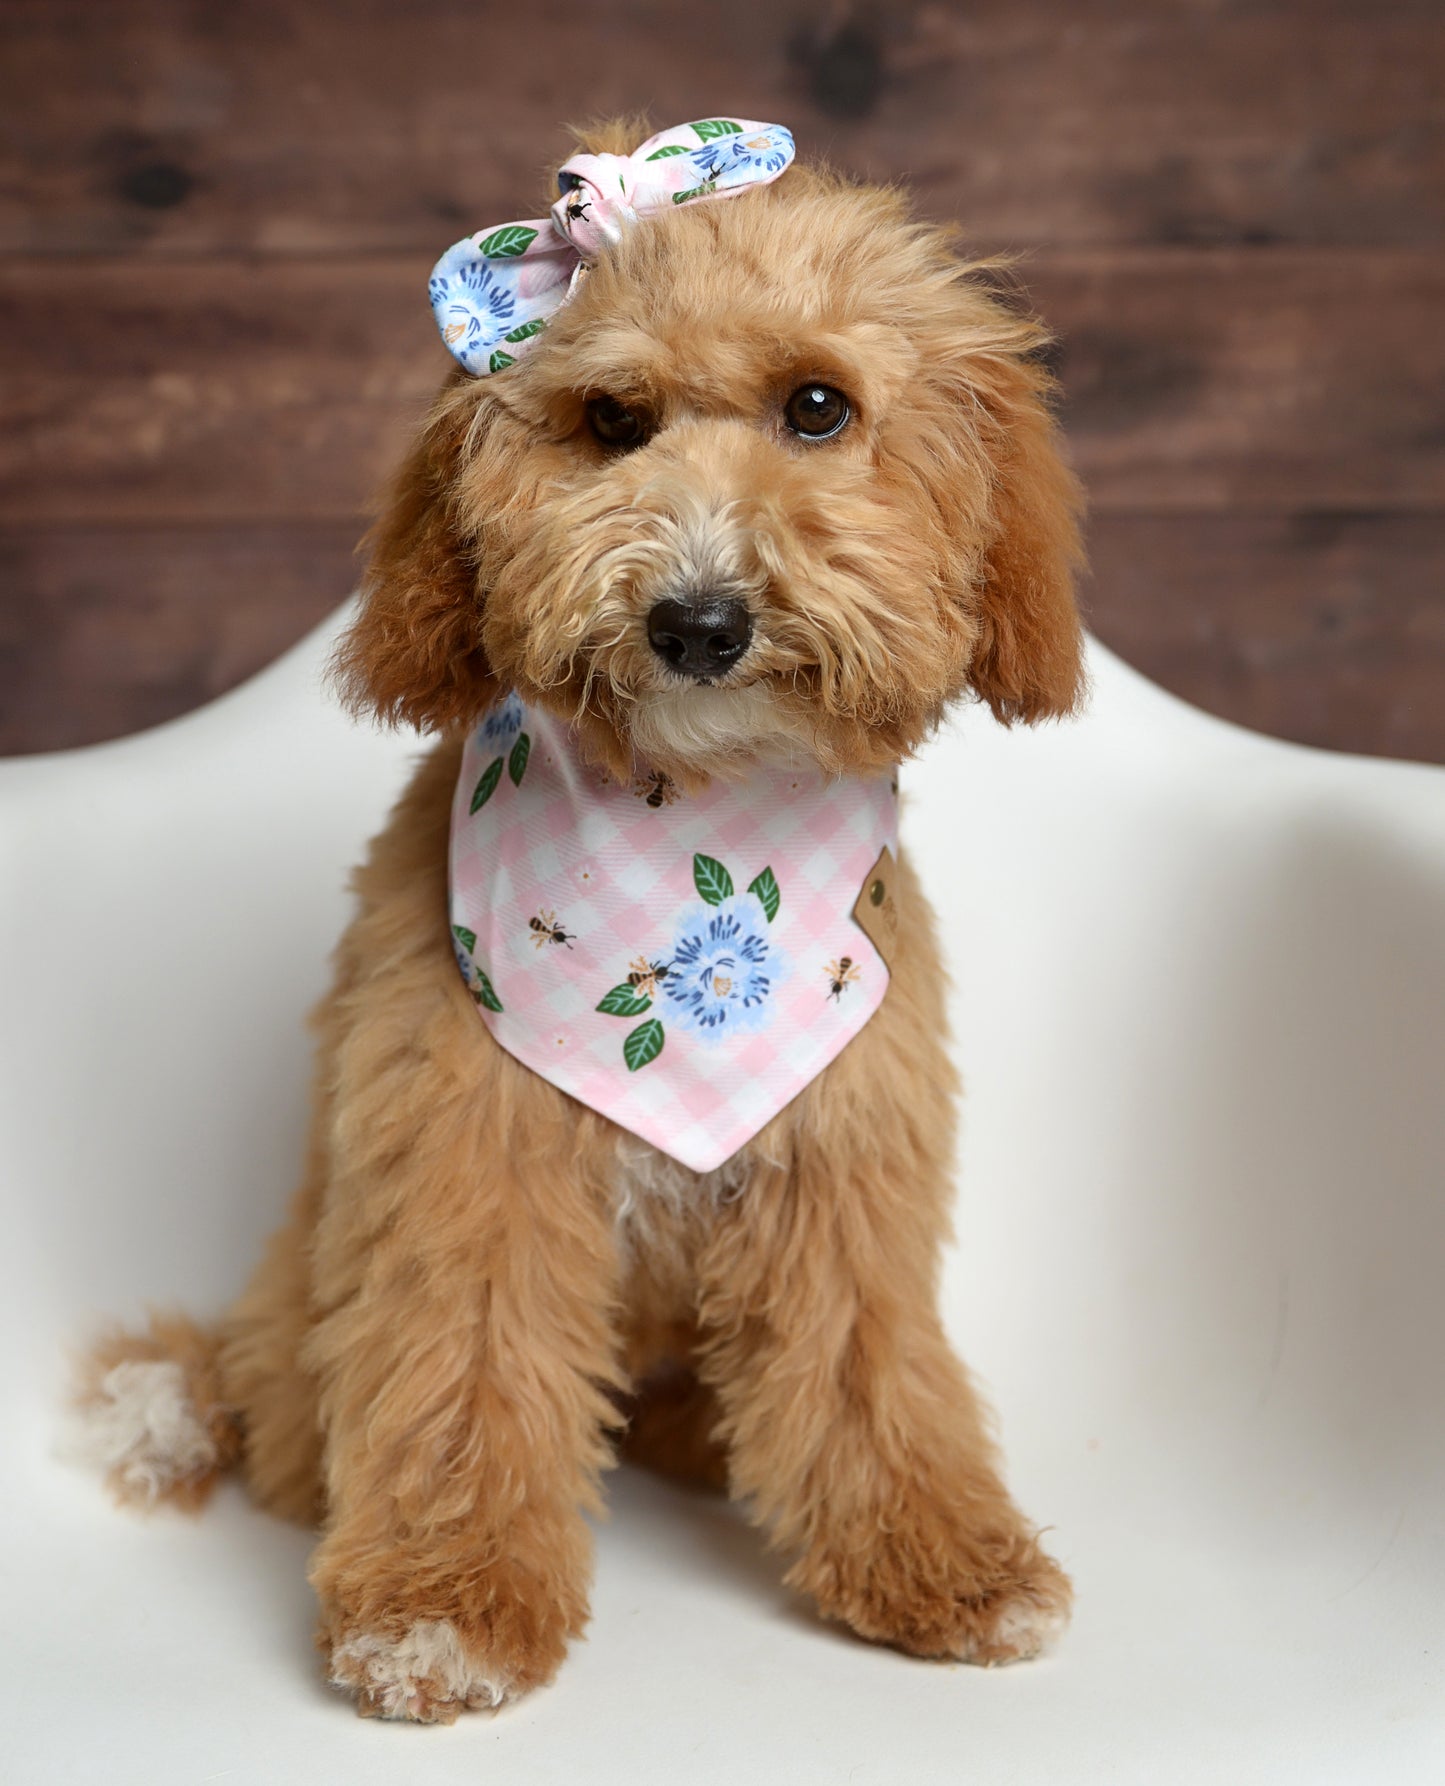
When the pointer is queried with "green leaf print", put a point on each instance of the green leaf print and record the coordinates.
(499, 359)
(624, 1001)
(517, 762)
(644, 1044)
(710, 129)
(487, 786)
(485, 993)
(467, 938)
(769, 896)
(711, 879)
(681, 198)
(524, 331)
(669, 149)
(508, 242)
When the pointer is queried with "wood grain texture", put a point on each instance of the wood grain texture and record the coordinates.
(216, 224)
(178, 127)
(123, 627)
(1326, 628)
(1206, 379)
(209, 390)
(283, 389)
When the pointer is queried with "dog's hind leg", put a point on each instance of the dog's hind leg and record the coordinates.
(261, 1360)
(165, 1412)
(265, 1332)
(152, 1415)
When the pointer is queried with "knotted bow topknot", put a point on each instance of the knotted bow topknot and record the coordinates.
(493, 292)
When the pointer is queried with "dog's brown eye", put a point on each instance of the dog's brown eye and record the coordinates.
(616, 425)
(816, 411)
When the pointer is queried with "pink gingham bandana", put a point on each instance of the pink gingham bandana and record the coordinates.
(684, 964)
(492, 293)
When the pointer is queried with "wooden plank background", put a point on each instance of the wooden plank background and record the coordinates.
(216, 223)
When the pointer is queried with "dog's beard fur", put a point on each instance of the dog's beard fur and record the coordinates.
(718, 730)
(586, 639)
(826, 658)
(692, 548)
(853, 651)
(927, 548)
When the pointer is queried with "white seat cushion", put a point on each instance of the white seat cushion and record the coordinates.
(1199, 985)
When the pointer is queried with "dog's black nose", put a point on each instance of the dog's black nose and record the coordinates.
(702, 638)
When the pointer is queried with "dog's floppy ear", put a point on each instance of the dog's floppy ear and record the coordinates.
(414, 654)
(1028, 661)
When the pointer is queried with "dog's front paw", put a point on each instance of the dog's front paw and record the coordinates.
(427, 1673)
(1000, 1601)
(1013, 1620)
(429, 1648)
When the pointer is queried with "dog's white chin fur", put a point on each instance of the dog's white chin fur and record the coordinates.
(717, 730)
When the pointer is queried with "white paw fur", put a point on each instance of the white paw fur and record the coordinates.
(1027, 1628)
(405, 1676)
(142, 1428)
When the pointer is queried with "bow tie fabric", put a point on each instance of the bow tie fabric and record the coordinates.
(493, 293)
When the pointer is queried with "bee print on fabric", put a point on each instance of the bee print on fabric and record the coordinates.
(645, 976)
(545, 929)
(842, 973)
(657, 789)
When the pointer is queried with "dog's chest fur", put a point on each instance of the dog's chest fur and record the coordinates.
(662, 1206)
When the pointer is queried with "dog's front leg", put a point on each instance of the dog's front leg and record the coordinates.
(466, 1261)
(853, 1432)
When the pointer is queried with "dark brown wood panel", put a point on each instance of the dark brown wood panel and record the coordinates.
(1328, 629)
(209, 390)
(192, 127)
(1325, 628)
(284, 389)
(216, 223)
(1251, 380)
(104, 630)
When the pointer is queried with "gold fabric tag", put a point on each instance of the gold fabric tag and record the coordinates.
(875, 911)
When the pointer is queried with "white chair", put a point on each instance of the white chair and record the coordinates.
(1199, 986)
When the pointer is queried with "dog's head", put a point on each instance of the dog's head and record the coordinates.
(781, 476)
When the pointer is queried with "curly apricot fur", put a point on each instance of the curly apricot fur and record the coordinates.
(439, 1350)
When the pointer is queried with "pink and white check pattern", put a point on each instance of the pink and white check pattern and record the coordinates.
(566, 880)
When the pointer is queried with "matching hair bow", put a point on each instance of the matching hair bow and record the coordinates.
(493, 293)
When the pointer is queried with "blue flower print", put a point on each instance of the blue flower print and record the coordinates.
(503, 722)
(765, 151)
(488, 295)
(473, 307)
(724, 969)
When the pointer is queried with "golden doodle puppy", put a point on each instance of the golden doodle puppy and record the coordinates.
(634, 1122)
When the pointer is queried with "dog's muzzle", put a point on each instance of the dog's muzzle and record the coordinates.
(703, 638)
